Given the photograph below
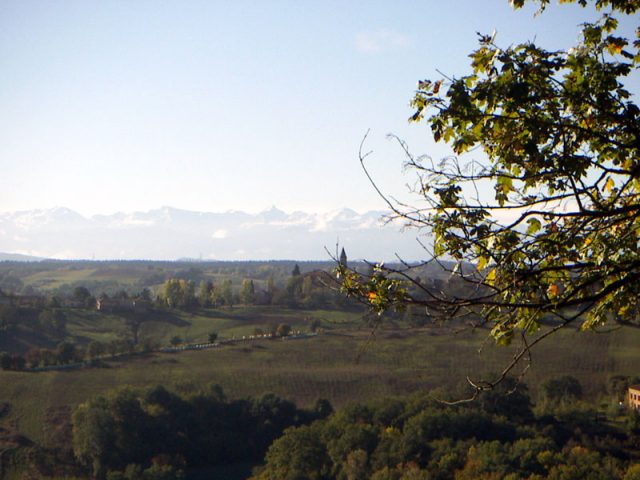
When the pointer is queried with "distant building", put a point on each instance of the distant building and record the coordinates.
(634, 397)
(122, 305)
(343, 258)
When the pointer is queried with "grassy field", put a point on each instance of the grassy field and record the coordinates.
(342, 365)
(73, 275)
(160, 326)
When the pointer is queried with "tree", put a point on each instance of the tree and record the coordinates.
(299, 453)
(81, 294)
(145, 295)
(66, 352)
(271, 286)
(224, 294)
(179, 293)
(293, 290)
(121, 295)
(172, 292)
(95, 349)
(94, 435)
(247, 292)
(282, 330)
(188, 293)
(537, 215)
(5, 361)
(213, 336)
(33, 357)
(111, 432)
(204, 293)
(53, 320)
(315, 325)
(564, 388)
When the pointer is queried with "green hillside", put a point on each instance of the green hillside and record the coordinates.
(342, 365)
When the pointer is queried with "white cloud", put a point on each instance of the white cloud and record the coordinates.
(220, 234)
(381, 40)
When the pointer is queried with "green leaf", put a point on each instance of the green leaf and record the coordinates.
(534, 226)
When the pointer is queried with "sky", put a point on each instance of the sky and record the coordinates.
(219, 105)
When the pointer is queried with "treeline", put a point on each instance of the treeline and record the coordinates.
(68, 353)
(310, 290)
(45, 327)
(420, 438)
(157, 433)
(64, 353)
(47, 319)
(109, 277)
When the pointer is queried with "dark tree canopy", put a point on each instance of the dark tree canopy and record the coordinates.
(539, 208)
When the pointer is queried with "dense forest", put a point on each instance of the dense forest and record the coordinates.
(159, 434)
(496, 437)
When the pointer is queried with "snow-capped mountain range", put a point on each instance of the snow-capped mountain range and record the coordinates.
(169, 233)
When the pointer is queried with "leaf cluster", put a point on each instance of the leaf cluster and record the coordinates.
(543, 195)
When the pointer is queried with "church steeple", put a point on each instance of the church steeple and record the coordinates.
(343, 258)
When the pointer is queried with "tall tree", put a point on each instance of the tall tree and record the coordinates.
(179, 293)
(172, 292)
(188, 292)
(223, 293)
(543, 193)
(247, 292)
(271, 289)
(204, 293)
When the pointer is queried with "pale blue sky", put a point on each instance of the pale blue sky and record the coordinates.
(211, 105)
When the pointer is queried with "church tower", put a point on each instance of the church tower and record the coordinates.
(343, 258)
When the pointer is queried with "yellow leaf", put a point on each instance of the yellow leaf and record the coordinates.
(482, 262)
(491, 277)
(609, 185)
(373, 295)
(615, 48)
(553, 290)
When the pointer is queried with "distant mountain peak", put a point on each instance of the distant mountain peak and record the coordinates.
(18, 257)
(167, 233)
(273, 213)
